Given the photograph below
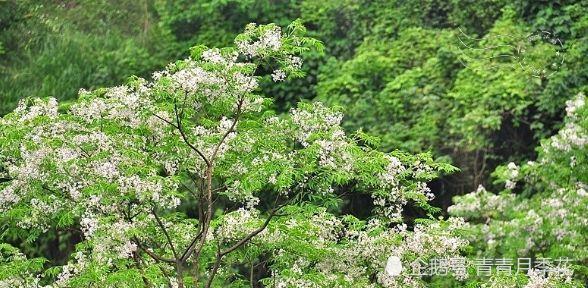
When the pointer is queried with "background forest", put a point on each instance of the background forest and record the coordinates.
(493, 87)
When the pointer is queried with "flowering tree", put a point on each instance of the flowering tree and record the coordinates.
(548, 218)
(191, 180)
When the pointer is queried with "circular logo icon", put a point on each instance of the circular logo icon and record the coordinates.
(393, 266)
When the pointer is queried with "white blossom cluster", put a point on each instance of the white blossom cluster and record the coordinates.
(71, 269)
(393, 182)
(115, 244)
(389, 178)
(237, 224)
(119, 104)
(27, 112)
(269, 40)
(512, 174)
(316, 119)
(573, 105)
(480, 204)
(89, 225)
(572, 135)
(195, 79)
(74, 159)
(110, 242)
(278, 75)
(148, 190)
(363, 253)
(538, 279)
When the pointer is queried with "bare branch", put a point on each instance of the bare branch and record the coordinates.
(231, 129)
(190, 247)
(220, 254)
(169, 241)
(185, 138)
(250, 235)
(165, 120)
(208, 215)
(140, 268)
(155, 257)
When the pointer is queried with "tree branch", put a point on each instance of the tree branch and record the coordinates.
(220, 254)
(250, 235)
(155, 257)
(190, 247)
(169, 241)
(165, 120)
(231, 129)
(185, 138)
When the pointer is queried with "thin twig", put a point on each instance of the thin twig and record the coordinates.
(169, 241)
(155, 257)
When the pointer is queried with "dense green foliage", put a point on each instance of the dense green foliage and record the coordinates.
(492, 87)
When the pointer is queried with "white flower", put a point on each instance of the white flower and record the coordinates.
(512, 174)
(510, 184)
(213, 55)
(278, 75)
(574, 104)
(127, 249)
(295, 62)
(39, 108)
(272, 179)
(512, 166)
(394, 167)
(89, 226)
(245, 83)
(107, 170)
(270, 40)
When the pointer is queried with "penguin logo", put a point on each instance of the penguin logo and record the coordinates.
(393, 266)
